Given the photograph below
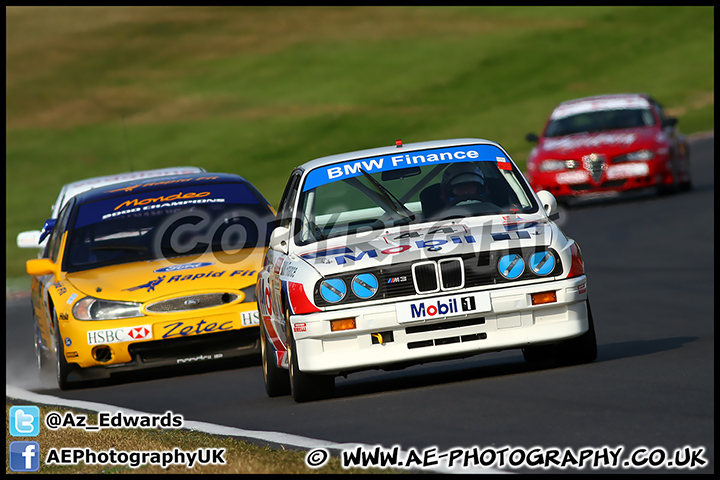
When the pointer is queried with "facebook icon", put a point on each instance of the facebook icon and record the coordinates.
(24, 456)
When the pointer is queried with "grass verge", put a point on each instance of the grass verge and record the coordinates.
(240, 457)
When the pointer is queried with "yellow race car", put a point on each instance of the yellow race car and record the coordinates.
(150, 273)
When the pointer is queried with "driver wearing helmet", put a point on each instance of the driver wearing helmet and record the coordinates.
(461, 182)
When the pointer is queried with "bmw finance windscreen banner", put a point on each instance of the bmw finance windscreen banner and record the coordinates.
(353, 168)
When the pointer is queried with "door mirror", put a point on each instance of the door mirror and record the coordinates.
(279, 239)
(670, 122)
(40, 267)
(549, 204)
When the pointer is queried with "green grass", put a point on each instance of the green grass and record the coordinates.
(259, 90)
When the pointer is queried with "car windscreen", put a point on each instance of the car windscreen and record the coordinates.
(598, 121)
(403, 189)
(165, 224)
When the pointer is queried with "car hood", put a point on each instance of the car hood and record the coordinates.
(610, 142)
(150, 280)
(429, 242)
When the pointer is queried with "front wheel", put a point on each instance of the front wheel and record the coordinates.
(277, 381)
(686, 185)
(305, 386)
(582, 349)
(62, 367)
(45, 367)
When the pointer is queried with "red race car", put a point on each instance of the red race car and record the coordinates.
(606, 145)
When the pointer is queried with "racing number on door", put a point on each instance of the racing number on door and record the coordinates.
(268, 301)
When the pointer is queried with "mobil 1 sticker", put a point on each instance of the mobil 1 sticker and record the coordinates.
(442, 307)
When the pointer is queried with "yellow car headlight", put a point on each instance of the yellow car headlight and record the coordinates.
(90, 308)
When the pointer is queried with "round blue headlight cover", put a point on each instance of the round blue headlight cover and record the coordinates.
(333, 290)
(542, 263)
(511, 266)
(364, 285)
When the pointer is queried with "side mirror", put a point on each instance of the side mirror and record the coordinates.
(279, 239)
(29, 239)
(531, 137)
(549, 204)
(40, 267)
(670, 122)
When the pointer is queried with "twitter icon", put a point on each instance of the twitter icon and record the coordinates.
(24, 421)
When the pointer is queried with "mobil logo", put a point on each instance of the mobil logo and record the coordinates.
(427, 309)
(443, 307)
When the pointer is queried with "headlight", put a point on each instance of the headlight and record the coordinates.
(639, 156)
(542, 263)
(90, 308)
(364, 285)
(552, 165)
(528, 263)
(511, 266)
(333, 290)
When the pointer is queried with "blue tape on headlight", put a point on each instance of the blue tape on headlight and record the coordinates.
(364, 285)
(542, 263)
(511, 266)
(333, 290)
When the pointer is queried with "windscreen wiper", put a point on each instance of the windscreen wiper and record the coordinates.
(400, 209)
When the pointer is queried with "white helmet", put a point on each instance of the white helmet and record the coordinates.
(463, 181)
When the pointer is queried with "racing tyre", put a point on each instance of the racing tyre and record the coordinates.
(663, 189)
(277, 379)
(686, 184)
(62, 367)
(582, 349)
(306, 387)
(45, 368)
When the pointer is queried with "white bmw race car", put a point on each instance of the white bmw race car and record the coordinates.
(394, 256)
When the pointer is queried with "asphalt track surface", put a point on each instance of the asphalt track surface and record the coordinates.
(650, 267)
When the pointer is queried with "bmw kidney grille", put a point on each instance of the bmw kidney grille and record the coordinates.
(452, 274)
(432, 276)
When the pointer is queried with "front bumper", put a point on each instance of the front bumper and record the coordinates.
(615, 179)
(160, 340)
(193, 350)
(380, 341)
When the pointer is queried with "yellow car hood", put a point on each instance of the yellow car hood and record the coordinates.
(148, 280)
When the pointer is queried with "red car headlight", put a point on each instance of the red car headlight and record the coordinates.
(638, 156)
(552, 165)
